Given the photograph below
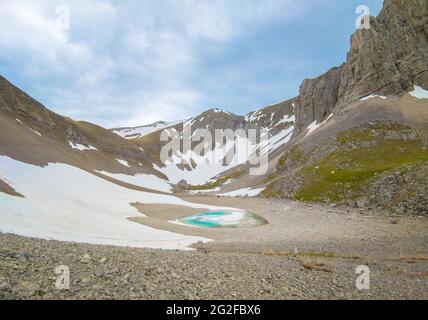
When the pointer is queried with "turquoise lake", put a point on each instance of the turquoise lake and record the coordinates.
(223, 219)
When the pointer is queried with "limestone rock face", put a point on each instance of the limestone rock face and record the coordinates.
(317, 98)
(390, 58)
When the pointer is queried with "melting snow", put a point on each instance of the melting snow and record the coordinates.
(123, 163)
(373, 96)
(35, 131)
(80, 147)
(254, 116)
(287, 119)
(216, 110)
(208, 166)
(138, 132)
(274, 142)
(68, 204)
(314, 126)
(246, 192)
(419, 93)
(148, 181)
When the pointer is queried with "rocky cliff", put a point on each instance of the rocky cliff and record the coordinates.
(317, 98)
(387, 59)
(373, 152)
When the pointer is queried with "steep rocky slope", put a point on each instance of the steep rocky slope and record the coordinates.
(371, 121)
(390, 58)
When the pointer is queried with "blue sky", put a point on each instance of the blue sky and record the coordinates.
(133, 62)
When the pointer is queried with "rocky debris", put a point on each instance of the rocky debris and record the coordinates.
(403, 193)
(26, 289)
(361, 203)
(5, 290)
(130, 273)
(7, 253)
(86, 258)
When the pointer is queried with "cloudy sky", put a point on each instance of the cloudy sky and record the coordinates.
(133, 62)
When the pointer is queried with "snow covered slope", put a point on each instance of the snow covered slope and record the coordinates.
(277, 120)
(65, 203)
(141, 131)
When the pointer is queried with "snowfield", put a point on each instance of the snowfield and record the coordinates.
(148, 181)
(81, 147)
(68, 204)
(419, 93)
(139, 132)
(246, 192)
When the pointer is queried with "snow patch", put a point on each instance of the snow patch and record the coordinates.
(373, 96)
(35, 131)
(419, 93)
(246, 192)
(80, 147)
(148, 181)
(274, 142)
(139, 132)
(287, 119)
(314, 126)
(216, 110)
(123, 163)
(69, 204)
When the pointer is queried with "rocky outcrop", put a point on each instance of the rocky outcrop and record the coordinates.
(388, 59)
(317, 98)
(391, 56)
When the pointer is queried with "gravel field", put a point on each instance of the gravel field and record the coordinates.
(229, 269)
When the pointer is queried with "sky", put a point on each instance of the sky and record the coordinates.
(132, 62)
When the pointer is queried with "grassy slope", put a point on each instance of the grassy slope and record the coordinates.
(359, 156)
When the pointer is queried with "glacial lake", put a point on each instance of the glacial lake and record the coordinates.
(223, 219)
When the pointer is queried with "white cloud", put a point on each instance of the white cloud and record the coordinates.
(222, 20)
(123, 62)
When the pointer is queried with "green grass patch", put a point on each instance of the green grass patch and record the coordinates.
(362, 154)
